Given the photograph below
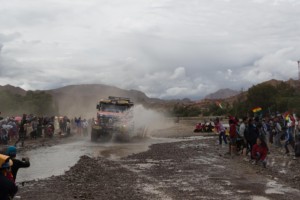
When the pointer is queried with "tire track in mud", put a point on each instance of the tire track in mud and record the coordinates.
(171, 170)
(193, 170)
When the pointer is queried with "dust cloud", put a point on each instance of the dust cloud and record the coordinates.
(148, 120)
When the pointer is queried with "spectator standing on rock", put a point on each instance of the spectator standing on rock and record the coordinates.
(17, 164)
(221, 131)
(8, 188)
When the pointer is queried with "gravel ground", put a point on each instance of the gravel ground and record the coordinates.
(195, 168)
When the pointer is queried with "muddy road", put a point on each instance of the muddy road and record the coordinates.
(182, 167)
(56, 159)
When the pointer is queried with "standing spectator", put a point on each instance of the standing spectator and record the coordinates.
(85, 127)
(278, 132)
(68, 127)
(13, 130)
(4, 134)
(17, 164)
(262, 134)
(22, 130)
(40, 127)
(8, 188)
(289, 140)
(252, 134)
(78, 125)
(272, 131)
(242, 132)
(221, 131)
(64, 124)
(232, 136)
(34, 125)
(297, 148)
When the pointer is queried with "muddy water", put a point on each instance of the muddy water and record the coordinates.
(55, 160)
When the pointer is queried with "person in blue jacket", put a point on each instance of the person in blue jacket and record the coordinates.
(17, 164)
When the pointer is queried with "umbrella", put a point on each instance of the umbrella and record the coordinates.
(18, 118)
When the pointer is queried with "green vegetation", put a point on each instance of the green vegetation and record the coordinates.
(37, 103)
(271, 99)
(185, 111)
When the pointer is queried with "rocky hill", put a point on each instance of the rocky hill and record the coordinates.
(82, 99)
(13, 89)
(204, 103)
(222, 94)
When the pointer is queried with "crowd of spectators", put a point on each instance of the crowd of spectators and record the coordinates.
(252, 137)
(17, 129)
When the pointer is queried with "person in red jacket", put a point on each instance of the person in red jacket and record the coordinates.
(8, 188)
(259, 152)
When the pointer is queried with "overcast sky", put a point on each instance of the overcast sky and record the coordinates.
(165, 48)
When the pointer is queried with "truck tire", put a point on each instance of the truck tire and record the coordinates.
(94, 135)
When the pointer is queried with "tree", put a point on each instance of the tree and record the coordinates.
(262, 95)
(37, 103)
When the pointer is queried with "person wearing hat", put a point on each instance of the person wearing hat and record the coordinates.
(17, 164)
(8, 188)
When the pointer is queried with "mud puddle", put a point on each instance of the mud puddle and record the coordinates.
(55, 160)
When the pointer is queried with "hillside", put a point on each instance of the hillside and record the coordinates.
(13, 89)
(76, 100)
(204, 103)
(82, 99)
(222, 94)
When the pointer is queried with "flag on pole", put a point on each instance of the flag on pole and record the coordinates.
(286, 115)
(219, 104)
(256, 109)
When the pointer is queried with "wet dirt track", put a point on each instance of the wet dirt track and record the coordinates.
(189, 169)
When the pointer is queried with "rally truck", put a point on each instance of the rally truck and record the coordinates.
(114, 119)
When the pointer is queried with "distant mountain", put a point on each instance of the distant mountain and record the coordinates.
(243, 95)
(13, 89)
(75, 100)
(222, 94)
(81, 100)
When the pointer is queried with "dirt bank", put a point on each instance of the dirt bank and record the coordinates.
(31, 144)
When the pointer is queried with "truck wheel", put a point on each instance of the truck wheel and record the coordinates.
(94, 136)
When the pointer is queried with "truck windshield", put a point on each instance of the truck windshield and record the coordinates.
(114, 108)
